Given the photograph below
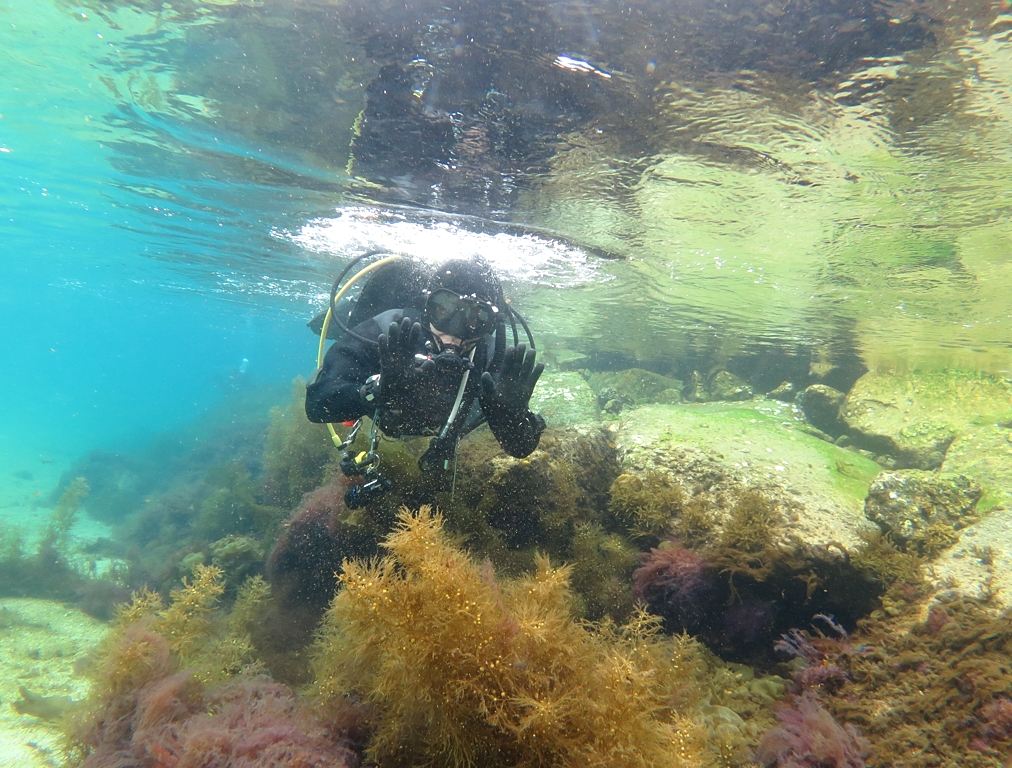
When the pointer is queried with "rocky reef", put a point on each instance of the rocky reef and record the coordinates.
(749, 566)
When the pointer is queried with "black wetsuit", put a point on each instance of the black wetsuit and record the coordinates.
(335, 393)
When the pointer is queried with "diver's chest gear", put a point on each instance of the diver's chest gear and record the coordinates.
(363, 464)
(435, 405)
(442, 406)
(359, 496)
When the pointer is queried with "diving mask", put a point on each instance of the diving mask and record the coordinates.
(465, 317)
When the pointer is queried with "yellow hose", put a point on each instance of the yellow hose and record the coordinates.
(326, 323)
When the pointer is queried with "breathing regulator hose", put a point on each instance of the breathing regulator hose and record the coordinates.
(326, 324)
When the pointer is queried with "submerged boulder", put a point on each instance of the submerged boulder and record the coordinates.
(637, 385)
(914, 418)
(981, 562)
(763, 536)
(725, 449)
(564, 399)
(984, 453)
(907, 503)
(821, 406)
(719, 385)
(562, 359)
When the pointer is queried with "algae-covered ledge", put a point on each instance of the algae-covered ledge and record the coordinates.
(758, 444)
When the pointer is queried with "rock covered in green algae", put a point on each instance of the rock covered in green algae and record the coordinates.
(566, 360)
(638, 385)
(985, 454)
(906, 503)
(915, 417)
(720, 448)
(982, 562)
(719, 385)
(785, 392)
(564, 399)
(821, 405)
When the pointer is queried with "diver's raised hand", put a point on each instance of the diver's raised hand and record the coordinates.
(399, 376)
(397, 346)
(516, 382)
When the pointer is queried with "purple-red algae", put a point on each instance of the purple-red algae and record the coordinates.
(808, 737)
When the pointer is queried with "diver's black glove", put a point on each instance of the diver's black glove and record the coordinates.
(399, 375)
(516, 382)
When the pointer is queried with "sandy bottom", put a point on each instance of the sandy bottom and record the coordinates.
(40, 641)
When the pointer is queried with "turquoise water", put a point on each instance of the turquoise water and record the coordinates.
(127, 300)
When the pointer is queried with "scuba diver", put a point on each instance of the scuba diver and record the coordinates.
(437, 365)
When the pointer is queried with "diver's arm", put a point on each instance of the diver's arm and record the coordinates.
(335, 393)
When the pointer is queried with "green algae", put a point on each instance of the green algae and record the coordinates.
(297, 454)
(850, 471)
(915, 417)
(760, 437)
(751, 525)
(647, 505)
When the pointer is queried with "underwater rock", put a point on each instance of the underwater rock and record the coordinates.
(637, 385)
(915, 417)
(566, 359)
(985, 454)
(719, 385)
(906, 503)
(612, 401)
(43, 645)
(239, 557)
(821, 406)
(785, 392)
(737, 592)
(981, 563)
(724, 385)
(769, 531)
(564, 400)
(724, 448)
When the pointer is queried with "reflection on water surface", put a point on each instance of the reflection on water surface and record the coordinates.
(789, 175)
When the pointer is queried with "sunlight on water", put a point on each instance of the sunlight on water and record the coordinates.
(524, 259)
(752, 204)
